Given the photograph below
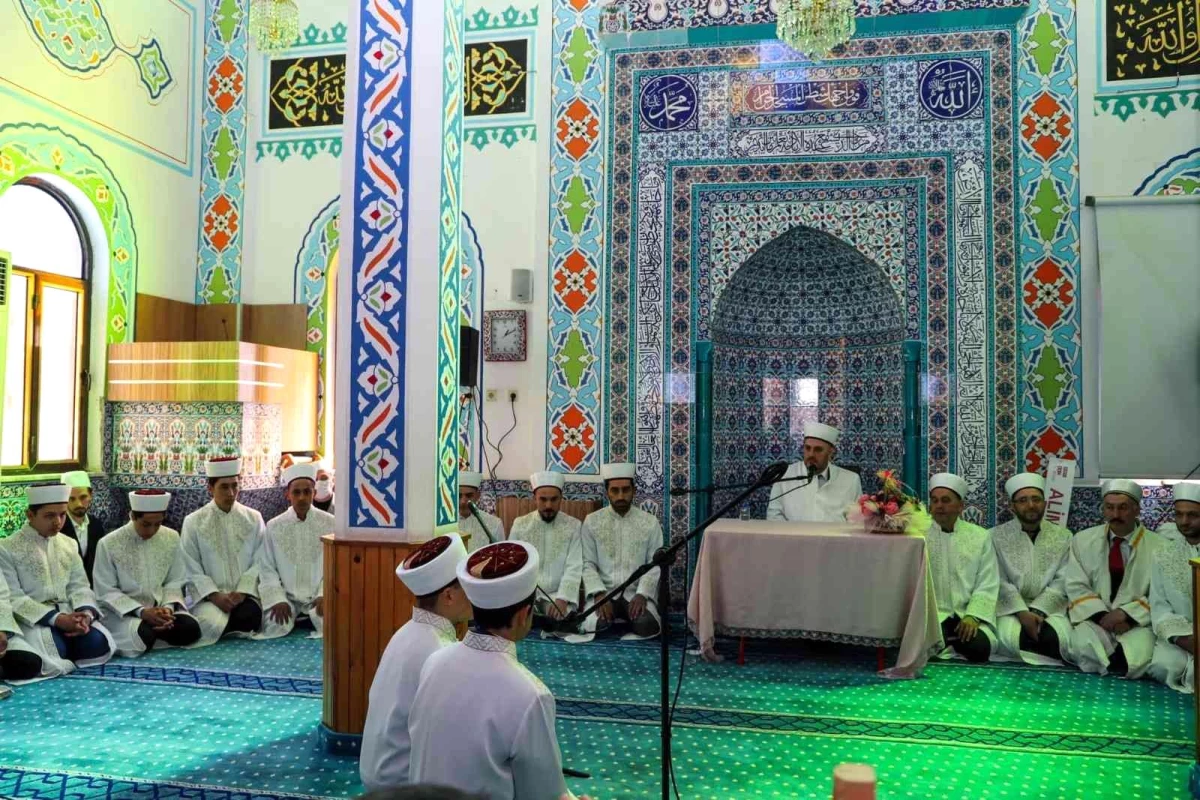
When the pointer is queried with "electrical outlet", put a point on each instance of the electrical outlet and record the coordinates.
(490, 396)
(512, 395)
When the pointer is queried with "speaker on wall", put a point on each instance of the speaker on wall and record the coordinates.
(468, 356)
(521, 289)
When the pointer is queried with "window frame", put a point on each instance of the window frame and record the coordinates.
(30, 465)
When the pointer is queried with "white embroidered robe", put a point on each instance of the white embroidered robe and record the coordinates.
(219, 552)
(482, 723)
(1031, 577)
(1167, 532)
(614, 546)
(469, 526)
(44, 575)
(1171, 613)
(966, 578)
(560, 546)
(291, 568)
(1088, 590)
(383, 762)
(132, 573)
(8, 623)
(817, 501)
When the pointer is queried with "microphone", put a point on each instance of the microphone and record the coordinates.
(475, 513)
(574, 773)
(772, 474)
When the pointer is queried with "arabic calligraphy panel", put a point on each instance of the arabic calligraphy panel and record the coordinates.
(307, 92)
(669, 103)
(496, 80)
(951, 89)
(1151, 39)
(807, 96)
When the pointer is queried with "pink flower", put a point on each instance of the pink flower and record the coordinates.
(892, 507)
(869, 507)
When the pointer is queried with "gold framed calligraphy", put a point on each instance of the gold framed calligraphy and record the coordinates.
(1149, 44)
(496, 78)
(306, 92)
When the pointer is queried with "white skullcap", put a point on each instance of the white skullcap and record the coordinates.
(298, 471)
(611, 472)
(323, 465)
(1121, 486)
(437, 563)
(948, 480)
(228, 467)
(555, 480)
(826, 433)
(470, 479)
(40, 494)
(149, 500)
(77, 479)
(504, 590)
(1186, 491)
(1024, 480)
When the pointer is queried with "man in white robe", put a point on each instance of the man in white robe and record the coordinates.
(617, 540)
(323, 491)
(139, 580)
(468, 524)
(1174, 660)
(220, 542)
(1031, 621)
(1108, 587)
(480, 721)
(818, 490)
(557, 538)
(291, 563)
(431, 574)
(51, 598)
(18, 661)
(966, 578)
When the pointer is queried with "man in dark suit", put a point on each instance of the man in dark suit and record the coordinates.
(86, 529)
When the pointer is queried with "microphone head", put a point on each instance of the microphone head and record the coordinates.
(775, 471)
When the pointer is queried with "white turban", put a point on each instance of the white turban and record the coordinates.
(826, 433)
(1024, 480)
(472, 480)
(502, 591)
(617, 471)
(150, 501)
(436, 573)
(40, 494)
(297, 471)
(549, 479)
(948, 480)
(1186, 491)
(223, 467)
(1121, 486)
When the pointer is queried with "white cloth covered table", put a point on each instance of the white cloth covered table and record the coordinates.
(814, 580)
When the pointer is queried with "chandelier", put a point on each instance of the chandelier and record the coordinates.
(274, 24)
(815, 27)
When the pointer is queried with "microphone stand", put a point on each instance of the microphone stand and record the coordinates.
(663, 558)
(482, 524)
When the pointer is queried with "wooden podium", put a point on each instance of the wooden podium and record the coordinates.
(365, 603)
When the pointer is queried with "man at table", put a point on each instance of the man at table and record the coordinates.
(468, 525)
(219, 545)
(1031, 620)
(290, 559)
(82, 526)
(1174, 657)
(1108, 587)
(818, 490)
(618, 539)
(962, 563)
(556, 537)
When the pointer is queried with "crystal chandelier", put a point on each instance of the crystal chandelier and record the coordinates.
(274, 24)
(815, 27)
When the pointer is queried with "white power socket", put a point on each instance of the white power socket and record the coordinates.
(491, 396)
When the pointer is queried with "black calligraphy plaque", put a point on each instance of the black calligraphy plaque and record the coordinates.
(1147, 39)
(308, 92)
(496, 78)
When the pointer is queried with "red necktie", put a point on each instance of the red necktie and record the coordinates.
(1116, 567)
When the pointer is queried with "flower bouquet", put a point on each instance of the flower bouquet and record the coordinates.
(890, 510)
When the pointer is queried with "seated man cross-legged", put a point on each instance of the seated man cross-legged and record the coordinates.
(1171, 609)
(291, 562)
(556, 537)
(52, 600)
(962, 563)
(18, 661)
(139, 579)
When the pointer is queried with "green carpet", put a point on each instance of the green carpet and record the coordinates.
(238, 720)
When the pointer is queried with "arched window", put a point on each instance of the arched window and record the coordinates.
(46, 369)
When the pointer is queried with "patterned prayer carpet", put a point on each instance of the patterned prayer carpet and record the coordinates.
(237, 722)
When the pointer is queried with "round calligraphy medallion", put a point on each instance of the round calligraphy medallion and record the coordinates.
(951, 89)
(668, 103)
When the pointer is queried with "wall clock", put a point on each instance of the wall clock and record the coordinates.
(505, 335)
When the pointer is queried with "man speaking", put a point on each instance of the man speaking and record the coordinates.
(814, 490)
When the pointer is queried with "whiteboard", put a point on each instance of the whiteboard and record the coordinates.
(1149, 265)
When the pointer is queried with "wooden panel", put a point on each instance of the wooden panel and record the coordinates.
(511, 507)
(217, 322)
(276, 325)
(160, 319)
